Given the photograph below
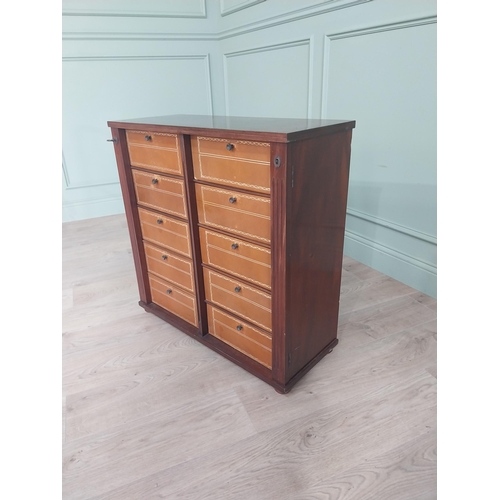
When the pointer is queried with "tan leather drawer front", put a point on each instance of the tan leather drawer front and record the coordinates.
(173, 299)
(240, 335)
(165, 232)
(235, 212)
(239, 298)
(237, 257)
(245, 165)
(161, 193)
(161, 152)
(165, 264)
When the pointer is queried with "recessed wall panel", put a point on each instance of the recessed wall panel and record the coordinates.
(269, 81)
(96, 90)
(386, 80)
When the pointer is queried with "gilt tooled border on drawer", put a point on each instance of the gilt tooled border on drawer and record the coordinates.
(237, 183)
(231, 229)
(208, 245)
(166, 263)
(177, 149)
(217, 334)
(184, 225)
(164, 209)
(246, 299)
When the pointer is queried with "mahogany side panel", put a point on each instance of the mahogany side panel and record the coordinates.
(132, 215)
(187, 159)
(317, 213)
(279, 274)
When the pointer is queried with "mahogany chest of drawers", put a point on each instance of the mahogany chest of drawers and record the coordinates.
(237, 230)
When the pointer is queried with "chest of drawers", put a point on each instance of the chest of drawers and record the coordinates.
(237, 231)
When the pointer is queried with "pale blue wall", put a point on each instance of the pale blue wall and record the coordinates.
(371, 61)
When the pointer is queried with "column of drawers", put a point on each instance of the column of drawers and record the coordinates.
(232, 184)
(160, 191)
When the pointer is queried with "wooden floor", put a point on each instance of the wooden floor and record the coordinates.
(150, 413)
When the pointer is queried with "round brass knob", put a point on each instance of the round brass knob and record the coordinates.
(229, 146)
(237, 289)
(234, 246)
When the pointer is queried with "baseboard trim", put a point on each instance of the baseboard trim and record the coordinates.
(91, 209)
(411, 271)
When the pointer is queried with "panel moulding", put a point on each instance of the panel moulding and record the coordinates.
(203, 57)
(201, 12)
(271, 22)
(295, 15)
(392, 225)
(410, 23)
(408, 259)
(267, 48)
(243, 4)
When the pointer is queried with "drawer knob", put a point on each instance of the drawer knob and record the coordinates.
(239, 328)
(159, 221)
(229, 146)
(164, 257)
(232, 199)
(237, 289)
(154, 181)
(234, 246)
(148, 138)
(169, 291)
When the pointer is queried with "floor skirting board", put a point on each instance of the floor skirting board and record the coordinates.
(91, 209)
(402, 267)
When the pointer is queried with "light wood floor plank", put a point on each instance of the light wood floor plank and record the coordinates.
(385, 319)
(407, 472)
(372, 292)
(109, 460)
(427, 301)
(150, 413)
(286, 459)
(345, 377)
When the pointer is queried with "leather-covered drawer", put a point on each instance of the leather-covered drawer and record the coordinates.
(155, 151)
(239, 298)
(238, 334)
(165, 232)
(240, 164)
(237, 257)
(174, 299)
(161, 193)
(170, 267)
(239, 213)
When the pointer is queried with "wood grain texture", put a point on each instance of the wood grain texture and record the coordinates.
(315, 244)
(130, 202)
(149, 412)
(187, 160)
(241, 127)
